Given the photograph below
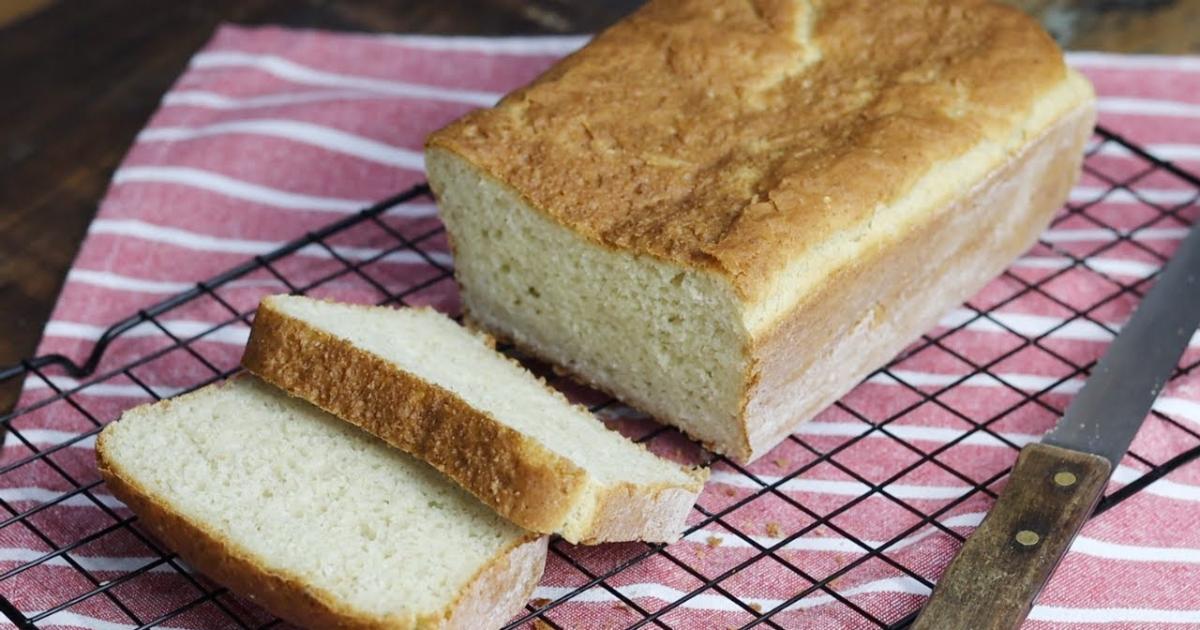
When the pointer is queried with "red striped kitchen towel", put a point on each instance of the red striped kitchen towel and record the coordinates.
(273, 132)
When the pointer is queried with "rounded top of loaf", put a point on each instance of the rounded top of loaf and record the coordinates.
(742, 137)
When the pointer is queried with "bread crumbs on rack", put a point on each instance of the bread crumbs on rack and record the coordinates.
(756, 606)
(713, 542)
(539, 602)
(781, 462)
(774, 530)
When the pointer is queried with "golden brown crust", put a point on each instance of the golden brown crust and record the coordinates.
(735, 136)
(499, 589)
(518, 477)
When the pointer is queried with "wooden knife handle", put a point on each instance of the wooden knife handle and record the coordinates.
(992, 582)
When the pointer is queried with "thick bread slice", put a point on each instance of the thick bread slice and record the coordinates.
(441, 392)
(318, 522)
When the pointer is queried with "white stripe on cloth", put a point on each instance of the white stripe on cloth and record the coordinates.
(66, 618)
(213, 100)
(258, 193)
(538, 45)
(1083, 544)
(181, 328)
(1035, 325)
(120, 282)
(1026, 382)
(1147, 107)
(1113, 61)
(202, 242)
(43, 496)
(90, 563)
(707, 600)
(109, 280)
(1161, 196)
(103, 390)
(912, 433)
(236, 188)
(1163, 487)
(306, 133)
(1065, 615)
(1163, 151)
(51, 437)
(1110, 266)
(1098, 234)
(298, 73)
(1178, 407)
(829, 543)
(802, 484)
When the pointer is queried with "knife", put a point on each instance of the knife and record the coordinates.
(1056, 483)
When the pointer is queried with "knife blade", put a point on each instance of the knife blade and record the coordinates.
(1055, 485)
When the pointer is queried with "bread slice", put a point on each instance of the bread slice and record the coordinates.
(320, 523)
(441, 392)
(727, 213)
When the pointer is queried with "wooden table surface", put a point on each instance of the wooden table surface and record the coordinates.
(81, 78)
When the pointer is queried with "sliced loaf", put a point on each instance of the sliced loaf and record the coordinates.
(728, 213)
(320, 523)
(440, 391)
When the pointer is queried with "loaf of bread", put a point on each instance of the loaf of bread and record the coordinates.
(320, 523)
(425, 384)
(728, 212)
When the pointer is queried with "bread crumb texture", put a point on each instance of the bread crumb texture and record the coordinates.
(299, 494)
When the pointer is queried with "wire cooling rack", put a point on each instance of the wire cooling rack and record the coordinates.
(115, 587)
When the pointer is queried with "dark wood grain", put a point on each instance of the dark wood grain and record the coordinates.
(1131, 26)
(995, 578)
(81, 78)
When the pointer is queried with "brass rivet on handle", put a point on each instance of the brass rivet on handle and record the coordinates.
(1065, 478)
(1028, 538)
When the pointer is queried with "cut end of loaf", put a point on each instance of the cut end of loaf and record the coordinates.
(666, 339)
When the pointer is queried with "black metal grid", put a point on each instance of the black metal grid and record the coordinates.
(116, 588)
